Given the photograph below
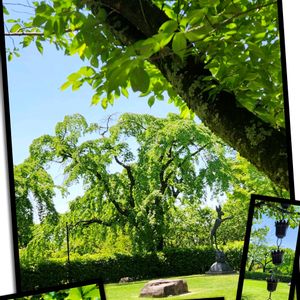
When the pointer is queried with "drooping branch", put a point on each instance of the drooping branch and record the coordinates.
(164, 180)
(266, 148)
(192, 154)
(131, 179)
(175, 192)
(167, 177)
(103, 181)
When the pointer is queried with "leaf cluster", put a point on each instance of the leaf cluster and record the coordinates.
(237, 40)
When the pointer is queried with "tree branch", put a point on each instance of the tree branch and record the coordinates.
(131, 179)
(185, 159)
(106, 128)
(21, 32)
(24, 33)
(163, 180)
(223, 114)
(123, 212)
(174, 192)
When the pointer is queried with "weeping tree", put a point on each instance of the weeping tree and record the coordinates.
(34, 191)
(142, 177)
(172, 162)
(217, 59)
(248, 181)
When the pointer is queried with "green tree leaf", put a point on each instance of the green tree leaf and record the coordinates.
(169, 26)
(179, 44)
(139, 80)
(151, 101)
(95, 99)
(15, 27)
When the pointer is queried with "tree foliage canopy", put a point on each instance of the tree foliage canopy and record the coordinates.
(33, 185)
(218, 59)
(144, 180)
(138, 187)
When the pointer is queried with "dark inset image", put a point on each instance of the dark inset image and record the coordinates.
(88, 290)
(215, 298)
(270, 251)
(295, 288)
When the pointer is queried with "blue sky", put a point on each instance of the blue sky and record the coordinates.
(289, 241)
(37, 103)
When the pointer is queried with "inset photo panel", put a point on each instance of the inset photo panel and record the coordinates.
(9, 249)
(139, 130)
(296, 281)
(270, 267)
(88, 290)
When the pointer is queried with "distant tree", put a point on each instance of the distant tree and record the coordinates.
(189, 226)
(175, 162)
(34, 191)
(259, 255)
(247, 181)
(288, 261)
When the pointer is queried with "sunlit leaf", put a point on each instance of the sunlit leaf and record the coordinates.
(151, 101)
(139, 80)
(169, 26)
(179, 44)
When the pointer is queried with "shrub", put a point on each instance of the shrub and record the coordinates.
(234, 251)
(263, 276)
(187, 261)
(170, 262)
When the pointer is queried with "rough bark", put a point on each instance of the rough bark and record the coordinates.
(261, 144)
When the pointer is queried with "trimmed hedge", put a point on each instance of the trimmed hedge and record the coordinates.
(263, 276)
(171, 262)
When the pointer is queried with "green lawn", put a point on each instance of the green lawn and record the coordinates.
(256, 289)
(201, 286)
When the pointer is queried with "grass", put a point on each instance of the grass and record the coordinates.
(257, 289)
(202, 286)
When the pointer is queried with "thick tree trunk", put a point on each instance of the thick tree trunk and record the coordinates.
(159, 228)
(257, 141)
(160, 244)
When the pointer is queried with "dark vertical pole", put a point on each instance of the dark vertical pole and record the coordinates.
(68, 244)
(295, 282)
(298, 276)
(68, 252)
